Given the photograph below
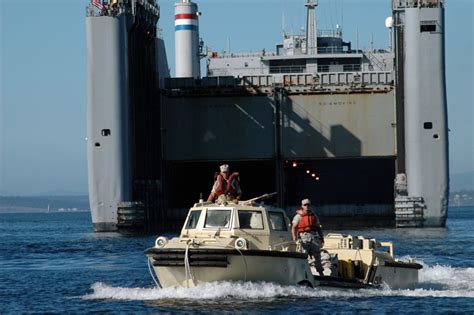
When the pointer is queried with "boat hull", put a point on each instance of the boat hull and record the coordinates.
(398, 275)
(286, 268)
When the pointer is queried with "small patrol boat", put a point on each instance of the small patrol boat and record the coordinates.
(250, 241)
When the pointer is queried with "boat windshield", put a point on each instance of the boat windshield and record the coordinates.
(193, 219)
(250, 219)
(277, 221)
(217, 218)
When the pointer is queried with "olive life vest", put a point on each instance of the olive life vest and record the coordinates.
(307, 222)
(225, 186)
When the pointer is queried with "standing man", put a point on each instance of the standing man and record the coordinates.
(309, 230)
(225, 184)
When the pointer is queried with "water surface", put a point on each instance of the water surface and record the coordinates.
(55, 263)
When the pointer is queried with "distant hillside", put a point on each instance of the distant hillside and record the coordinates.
(462, 181)
(40, 203)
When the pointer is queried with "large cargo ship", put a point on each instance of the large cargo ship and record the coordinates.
(363, 132)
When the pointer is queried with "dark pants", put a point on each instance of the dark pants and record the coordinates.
(312, 246)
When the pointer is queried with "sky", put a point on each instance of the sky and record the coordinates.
(43, 85)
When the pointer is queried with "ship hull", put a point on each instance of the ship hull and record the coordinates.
(338, 126)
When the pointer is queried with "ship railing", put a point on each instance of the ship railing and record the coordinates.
(205, 82)
(235, 71)
(256, 70)
(371, 79)
(321, 50)
(402, 4)
(340, 68)
(337, 79)
(330, 33)
(99, 8)
(263, 53)
(121, 7)
(327, 49)
(330, 50)
(239, 55)
(274, 70)
(287, 69)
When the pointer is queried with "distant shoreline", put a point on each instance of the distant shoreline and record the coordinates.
(68, 204)
(20, 210)
(41, 204)
(12, 210)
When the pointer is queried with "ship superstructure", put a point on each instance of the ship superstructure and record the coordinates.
(360, 131)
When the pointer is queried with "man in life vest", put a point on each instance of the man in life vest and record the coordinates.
(306, 225)
(225, 184)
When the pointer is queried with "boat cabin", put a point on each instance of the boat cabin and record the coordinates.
(260, 227)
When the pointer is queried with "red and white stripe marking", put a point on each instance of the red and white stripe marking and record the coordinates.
(186, 19)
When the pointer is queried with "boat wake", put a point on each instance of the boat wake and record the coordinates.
(434, 281)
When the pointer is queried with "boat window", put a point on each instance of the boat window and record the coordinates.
(193, 219)
(217, 218)
(277, 221)
(251, 219)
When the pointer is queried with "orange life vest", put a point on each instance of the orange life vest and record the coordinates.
(225, 187)
(307, 222)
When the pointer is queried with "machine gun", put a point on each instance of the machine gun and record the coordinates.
(262, 197)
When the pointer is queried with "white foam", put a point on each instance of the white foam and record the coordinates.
(216, 290)
(435, 281)
(449, 277)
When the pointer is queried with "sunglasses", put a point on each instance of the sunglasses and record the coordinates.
(306, 204)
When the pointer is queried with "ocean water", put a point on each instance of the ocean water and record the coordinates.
(54, 263)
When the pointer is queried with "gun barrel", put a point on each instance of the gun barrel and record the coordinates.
(262, 197)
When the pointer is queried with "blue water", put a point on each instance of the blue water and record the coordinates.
(54, 263)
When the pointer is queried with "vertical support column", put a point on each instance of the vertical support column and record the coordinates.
(426, 135)
(108, 121)
(279, 164)
(400, 91)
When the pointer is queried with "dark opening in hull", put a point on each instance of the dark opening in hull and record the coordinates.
(356, 192)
